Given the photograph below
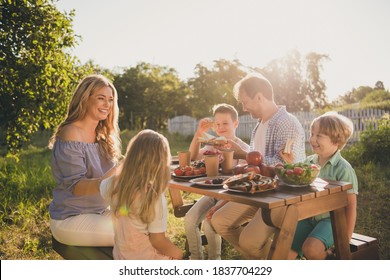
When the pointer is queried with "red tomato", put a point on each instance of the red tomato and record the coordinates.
(313, 166)
(178, 172)
(189, 173)
(290, 172)
(197, 171)
(188, 168)
(254, 158)
(298, 170)
(202, 170)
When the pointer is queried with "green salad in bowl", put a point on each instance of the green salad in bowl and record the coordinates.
(298, 174)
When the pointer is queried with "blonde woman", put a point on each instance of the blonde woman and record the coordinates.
(137, 199)
(85, 150)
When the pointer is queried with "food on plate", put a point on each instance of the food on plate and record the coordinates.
(251, 183)
(252, 168)
(209, 139)
(298, 174)
(210, 153)
(254, 158)
(214, 181)
(196, 168)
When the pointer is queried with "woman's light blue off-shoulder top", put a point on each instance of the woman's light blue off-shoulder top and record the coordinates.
(72, 161)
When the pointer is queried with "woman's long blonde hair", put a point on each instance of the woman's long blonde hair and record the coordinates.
(107, 131)
(143, 177)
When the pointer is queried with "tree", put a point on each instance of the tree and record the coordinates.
(149, 95)
(37, 73)
(355, 95)
(297, 80)
(285, 75)
(379, 85)
(314, 87)
(214, 86)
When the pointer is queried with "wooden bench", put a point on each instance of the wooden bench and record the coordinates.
(81, 252)
(364, 247)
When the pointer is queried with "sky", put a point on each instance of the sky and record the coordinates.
(355, 35)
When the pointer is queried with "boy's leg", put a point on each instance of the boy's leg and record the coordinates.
(213, 239)
(192, 219)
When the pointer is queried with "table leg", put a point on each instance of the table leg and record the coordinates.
(340, 236)
(285, 229)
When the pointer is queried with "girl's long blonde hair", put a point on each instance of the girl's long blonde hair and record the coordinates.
(107, 131)
(143, 177)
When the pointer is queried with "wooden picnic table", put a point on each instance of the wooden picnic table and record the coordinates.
(297, 203)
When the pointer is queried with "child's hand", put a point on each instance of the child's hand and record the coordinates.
(287, 157)
(211, 212)
(205, 124)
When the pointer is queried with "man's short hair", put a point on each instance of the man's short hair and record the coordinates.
(252, 84)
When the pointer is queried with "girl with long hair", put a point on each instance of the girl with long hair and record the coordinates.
(137, 198)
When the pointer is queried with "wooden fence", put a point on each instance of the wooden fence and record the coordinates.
(362, 120)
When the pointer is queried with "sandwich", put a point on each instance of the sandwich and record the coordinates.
(208, 139)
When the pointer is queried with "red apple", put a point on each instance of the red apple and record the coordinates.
(254, 158)
(239, 169)
(250, 168)
(267, 170)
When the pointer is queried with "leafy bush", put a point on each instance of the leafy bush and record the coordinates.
(376, 143)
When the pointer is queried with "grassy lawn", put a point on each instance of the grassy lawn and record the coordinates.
(26, 190)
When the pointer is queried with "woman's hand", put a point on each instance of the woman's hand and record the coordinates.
(91, 186)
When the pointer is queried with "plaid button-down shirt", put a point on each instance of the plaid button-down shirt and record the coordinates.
(282, 126)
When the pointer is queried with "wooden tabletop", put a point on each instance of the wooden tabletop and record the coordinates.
(298, 204)
(281, 196)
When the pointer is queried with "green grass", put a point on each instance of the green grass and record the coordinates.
(26, 191)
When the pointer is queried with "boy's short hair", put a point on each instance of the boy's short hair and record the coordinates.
(338, 127)
(226, 109)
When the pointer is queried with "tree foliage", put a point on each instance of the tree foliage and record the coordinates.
(149, 95)
(213, 86)
(355, 95)
(37, 73)
(297, 80)
(365, 97)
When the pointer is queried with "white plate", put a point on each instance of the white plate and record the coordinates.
(187, 177)
(245, 192)
(201, 181)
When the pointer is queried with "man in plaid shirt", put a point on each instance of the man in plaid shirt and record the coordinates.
(269, 137)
